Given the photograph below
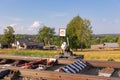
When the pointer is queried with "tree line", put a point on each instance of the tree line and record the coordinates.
(78, 31)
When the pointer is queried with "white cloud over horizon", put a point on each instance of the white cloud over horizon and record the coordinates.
(23, 29)
(35, 24)
(33, 29)
(1, 29)
(13, 25)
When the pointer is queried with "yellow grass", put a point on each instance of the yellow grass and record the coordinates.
(101, 55)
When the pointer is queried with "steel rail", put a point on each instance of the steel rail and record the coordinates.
(50, 75)
(94, 63)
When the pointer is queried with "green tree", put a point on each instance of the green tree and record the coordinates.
(46, 34)
(57, 40)
(79, 32)
(1, 38)
(118, 40)
(9, 36)
(108, 38)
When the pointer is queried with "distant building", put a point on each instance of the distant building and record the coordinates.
(27, 44)
(111, 45)
(105, 46)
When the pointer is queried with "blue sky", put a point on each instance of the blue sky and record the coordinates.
(28, 16)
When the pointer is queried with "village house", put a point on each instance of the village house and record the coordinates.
(111, 45)
(27, 44)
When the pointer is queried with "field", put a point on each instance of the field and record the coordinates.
(41, 53)
(101, 55)
(88, 55)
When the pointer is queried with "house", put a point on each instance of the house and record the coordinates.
(105, 46)
(25, 43)
(111, 45)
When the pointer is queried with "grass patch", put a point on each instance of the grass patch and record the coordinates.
(88, 55)
(35, 53)
(38, 53)
(101, 55)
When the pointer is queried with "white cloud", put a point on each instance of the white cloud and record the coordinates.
(36, 24)
(13, 25)
(33, 29)
(23, 28)
(1, 29)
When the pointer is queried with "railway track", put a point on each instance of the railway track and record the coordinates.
(35, 68)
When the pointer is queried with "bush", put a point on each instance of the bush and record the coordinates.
(111, 59)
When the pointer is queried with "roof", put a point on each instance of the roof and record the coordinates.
(114, 45)
(28, 42)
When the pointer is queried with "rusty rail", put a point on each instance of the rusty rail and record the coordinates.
(94, 63)
(49, 75)
(18, 57)
(110, 64)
